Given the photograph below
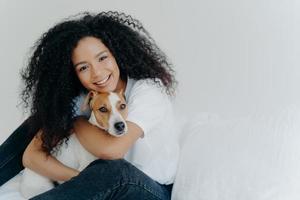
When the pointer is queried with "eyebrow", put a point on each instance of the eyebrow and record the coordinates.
(97, 55)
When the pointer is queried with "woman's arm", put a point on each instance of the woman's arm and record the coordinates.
(37, 160)
(101, 144)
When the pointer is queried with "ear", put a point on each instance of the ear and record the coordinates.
(88, 100)
(121, 93)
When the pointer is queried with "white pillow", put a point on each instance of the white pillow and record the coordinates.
(251, 158)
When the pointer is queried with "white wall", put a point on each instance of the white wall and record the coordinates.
(230, 56)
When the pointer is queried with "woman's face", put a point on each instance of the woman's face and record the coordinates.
(95, 66)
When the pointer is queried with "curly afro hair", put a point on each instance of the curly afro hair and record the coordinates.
(51, 83)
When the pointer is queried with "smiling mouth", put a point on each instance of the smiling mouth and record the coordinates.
(103, 82)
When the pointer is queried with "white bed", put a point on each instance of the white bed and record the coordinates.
(10, 191)
(256, 157)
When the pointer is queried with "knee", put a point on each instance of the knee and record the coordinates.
(113, 169)
(111, 165)
(130, 181)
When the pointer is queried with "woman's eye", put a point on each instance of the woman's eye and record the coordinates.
(122, 106)
(82, 68)
(103, 109)
(102, 58)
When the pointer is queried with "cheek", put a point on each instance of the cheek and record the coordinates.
(103, 120)
(83, 78)
(114, 66)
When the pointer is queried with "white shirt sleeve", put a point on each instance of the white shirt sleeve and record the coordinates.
(147, 105)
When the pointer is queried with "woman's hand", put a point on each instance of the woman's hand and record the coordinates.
(37, 160)
(102, 145)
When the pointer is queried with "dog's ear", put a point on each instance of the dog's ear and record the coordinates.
(88, 100)
(121, 93)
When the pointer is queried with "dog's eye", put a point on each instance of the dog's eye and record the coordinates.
(122, 106)
(103, 109)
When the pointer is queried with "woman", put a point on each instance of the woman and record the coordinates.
(106, 52)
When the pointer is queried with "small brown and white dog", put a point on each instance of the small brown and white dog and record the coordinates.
(108, 112)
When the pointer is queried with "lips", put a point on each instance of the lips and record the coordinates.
(103, 81)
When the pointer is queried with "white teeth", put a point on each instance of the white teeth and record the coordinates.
(103, 81)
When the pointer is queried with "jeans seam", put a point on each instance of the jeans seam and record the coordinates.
(128, 183)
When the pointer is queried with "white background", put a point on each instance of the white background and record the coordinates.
(231, 57)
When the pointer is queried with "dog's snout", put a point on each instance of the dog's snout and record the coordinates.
(120, 126)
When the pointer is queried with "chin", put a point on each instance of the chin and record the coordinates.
(106, 89)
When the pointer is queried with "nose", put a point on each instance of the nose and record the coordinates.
(119, 126)
(95, 72)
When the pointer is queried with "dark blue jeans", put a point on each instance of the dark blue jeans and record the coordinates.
(102, 179)
(11, 151)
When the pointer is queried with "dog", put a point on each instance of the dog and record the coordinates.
(108, 112)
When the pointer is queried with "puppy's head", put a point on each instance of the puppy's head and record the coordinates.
(108, 111)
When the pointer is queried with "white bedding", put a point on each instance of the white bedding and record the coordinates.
(251, 158)
(10, 190)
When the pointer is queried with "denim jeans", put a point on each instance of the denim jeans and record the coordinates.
(11, 151)
(102, 179)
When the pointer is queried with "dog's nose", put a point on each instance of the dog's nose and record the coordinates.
(120, 126)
